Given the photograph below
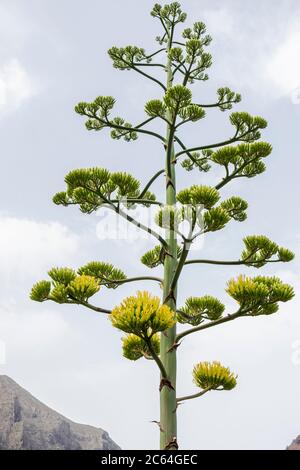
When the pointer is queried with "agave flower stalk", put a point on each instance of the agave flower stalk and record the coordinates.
(150, 323)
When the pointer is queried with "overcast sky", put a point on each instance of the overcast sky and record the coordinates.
(53, 55)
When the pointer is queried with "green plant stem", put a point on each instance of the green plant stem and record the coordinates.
(130, 219)
(182, 260)
(87, 305)
(156, 358)
(137, 200)
(134, 279)
(216, 105)
(234, 174)
(134, 66)
(164, 26)
(168, 416)
(143, 227)
(150, 182)
(186, 150)
(155, 53)
(195, 395)
(180, 264)
(137, 128)
(179, 43)
(229, 263)
(152, 64)
(96, 309)
(208, 325)
(218, 144)
(189, 71)
(149, 76)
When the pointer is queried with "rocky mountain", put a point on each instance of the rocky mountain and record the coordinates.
(26, 423)
(295, 445)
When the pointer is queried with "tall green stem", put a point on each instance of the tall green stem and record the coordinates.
(168, 356)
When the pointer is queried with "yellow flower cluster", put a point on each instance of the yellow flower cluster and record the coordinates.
(213, 375)
(135, 347)
(83, 287)
(259, 295)
(142, 315)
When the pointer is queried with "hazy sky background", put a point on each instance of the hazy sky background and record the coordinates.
(53, 55)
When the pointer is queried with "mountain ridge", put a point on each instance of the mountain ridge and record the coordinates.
(26, 423)
(295, 445)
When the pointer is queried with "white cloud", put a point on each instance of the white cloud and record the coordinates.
(15, 28)
(31, 331)
(28, 248)
(16, 85)
(219, 21)
(283, 68)
(249, 55)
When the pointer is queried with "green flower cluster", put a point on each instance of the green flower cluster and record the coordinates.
(90, 188)
(198, 309)
(98, 112)
(199, 160)
(156, 256)
(259, 249)
(194, 200)
(247, 127)
(177, 99)
(67, 286)
(171, 13)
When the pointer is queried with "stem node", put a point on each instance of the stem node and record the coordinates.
(172, 445)
(165, 382)
(174, 347)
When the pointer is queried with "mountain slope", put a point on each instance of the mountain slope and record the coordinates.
(26, 423)
(295, 445)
